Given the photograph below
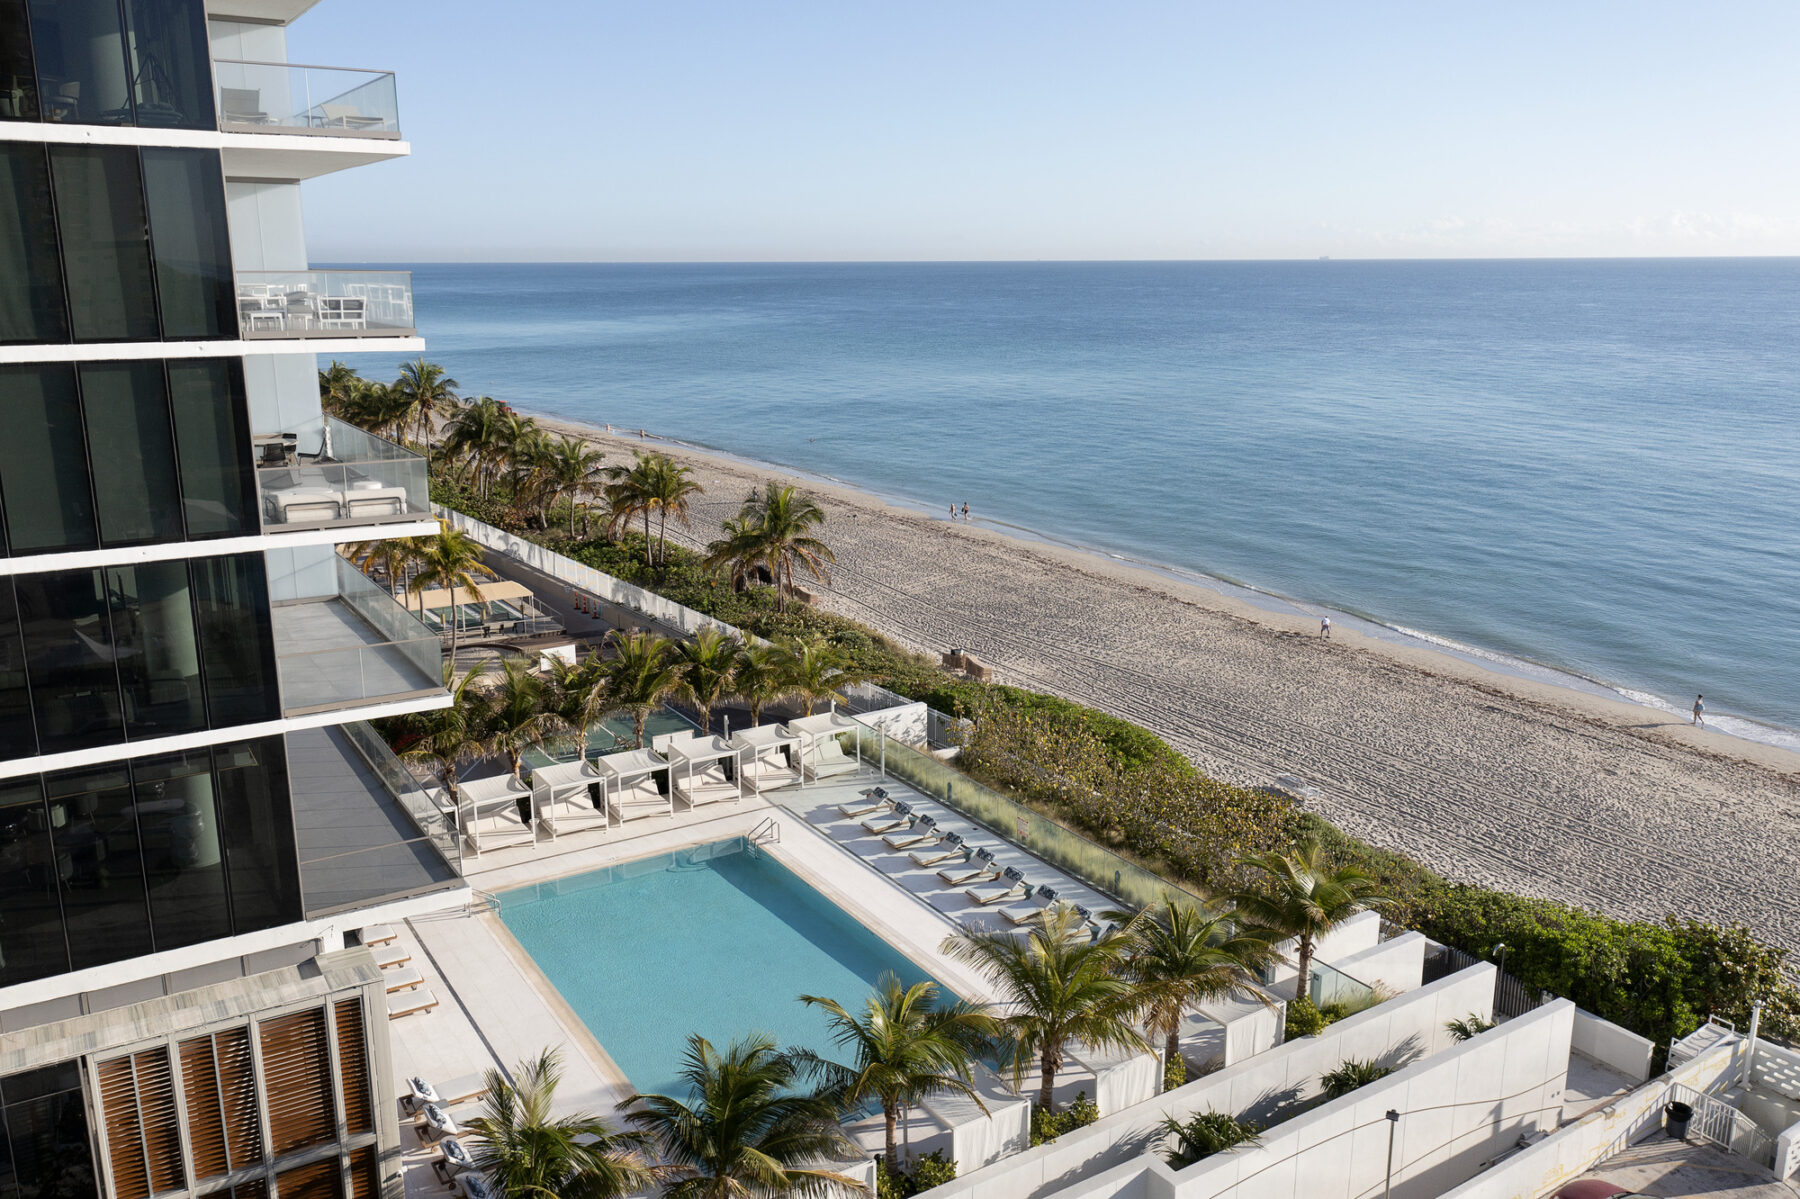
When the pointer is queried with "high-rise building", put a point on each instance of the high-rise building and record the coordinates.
(193, 824)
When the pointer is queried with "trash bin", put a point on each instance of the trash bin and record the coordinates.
(1679, 1114)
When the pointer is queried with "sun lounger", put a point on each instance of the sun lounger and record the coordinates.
(977, 869)
(390, 956)
(923, 833)
(948, 848)
(900, 817)
(988, 896)
(874, 800)
(464, 1089)
(377, 934)
(1033, 910)
(402, 978)
(405, 1003)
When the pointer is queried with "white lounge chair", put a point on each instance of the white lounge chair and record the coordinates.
(899, 818)
(983, 897)
(923, 833)
(825, 758)
(405, 1003)
(389, 956)
(875, 799)
(377, 934)
(976, 869)
(1035, 908)
(401, 979)
(951, 846)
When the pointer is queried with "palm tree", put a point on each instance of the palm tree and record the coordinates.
(581, 694)
(527, 1153)
(785, 521)
(745, 1130)
(516, 714)
(739, 549)
(572, 470)
(641, 676)
(393, 554)
(378, 408)
(904, 1048)
(1056, 987)
(477, 436)
(760, 679)
(452, 561)
(1181, 956)
(816, 669)
(1305, 899)
(652, 484)
(336, 387)
(447, 739)
(428, 392)
(705, 662)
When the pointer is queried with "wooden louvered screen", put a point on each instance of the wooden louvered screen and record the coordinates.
(320, 1180)
(353, 1067)
(143, 1133)
(124, 1131)
(205, 1114)
(365, 1179)
(237, 1093)
(297, 1082)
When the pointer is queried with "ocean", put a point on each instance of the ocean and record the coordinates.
(1581, 470)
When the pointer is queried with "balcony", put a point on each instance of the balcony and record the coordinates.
(279, 97)
(367, 833)
(330, 474)
(321, 304)
(348, 644)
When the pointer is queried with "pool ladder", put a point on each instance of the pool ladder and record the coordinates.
(768, 831)
(486, 898)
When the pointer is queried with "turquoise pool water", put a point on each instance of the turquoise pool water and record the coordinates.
(720, 940)
(614, 734)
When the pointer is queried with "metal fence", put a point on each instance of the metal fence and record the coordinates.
(1512, 997)
(1718, 1123)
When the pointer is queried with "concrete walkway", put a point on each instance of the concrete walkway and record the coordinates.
(1681, 1170)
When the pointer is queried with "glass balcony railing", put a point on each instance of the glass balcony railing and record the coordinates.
(285, 304)
(352, 645)
(330, 474)
(280, 97)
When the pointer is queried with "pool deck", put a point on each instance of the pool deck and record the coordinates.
(496, 1008)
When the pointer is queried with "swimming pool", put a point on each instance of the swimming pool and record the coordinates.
(720, 940)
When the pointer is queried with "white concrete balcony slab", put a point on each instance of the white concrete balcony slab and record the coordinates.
(353, 648)
(330, 475)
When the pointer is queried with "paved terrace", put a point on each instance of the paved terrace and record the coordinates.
(326, 656)
(496, 1007)
(1685, 1170)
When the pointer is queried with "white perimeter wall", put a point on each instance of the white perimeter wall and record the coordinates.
(1458, 1109)
(1571, 1152)
(1397, 964)
(1362, 931)
(1613, 1047)
(1401, 1030)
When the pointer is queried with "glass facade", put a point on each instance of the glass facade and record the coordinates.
(111, 862)
(113, 243)
(44, 1140)
(102, 62)
(136, 652)
(124, 453)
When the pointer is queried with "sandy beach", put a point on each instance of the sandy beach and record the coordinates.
(1486, 777)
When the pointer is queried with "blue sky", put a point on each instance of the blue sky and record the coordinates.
(599, 131)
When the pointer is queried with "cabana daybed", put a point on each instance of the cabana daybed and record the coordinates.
(637, 784)
(569, 796)
(488, 813)
(702, 769)
(821, 754)
(770, 757)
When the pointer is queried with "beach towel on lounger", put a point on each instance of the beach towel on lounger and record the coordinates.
(976, 869)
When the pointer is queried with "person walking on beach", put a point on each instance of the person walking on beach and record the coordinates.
(965, 511)
(1325, 627)
(952, 511)
(1700, 711)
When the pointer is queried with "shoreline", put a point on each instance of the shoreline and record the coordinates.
(1489, 778)
(1491, 667)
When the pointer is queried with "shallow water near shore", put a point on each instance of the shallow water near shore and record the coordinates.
(1586, 467)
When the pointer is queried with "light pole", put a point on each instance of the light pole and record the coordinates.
(1501, 950)
(1393, 1116)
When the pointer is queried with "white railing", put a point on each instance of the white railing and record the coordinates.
(1718, 1123)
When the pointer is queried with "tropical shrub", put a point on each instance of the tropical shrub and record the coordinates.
(1468, 1028)
(1175, 1073)
(1304, 1019)
(1047, 1126)
(920, 1175)
(1349, 1075)
(1204, 1134)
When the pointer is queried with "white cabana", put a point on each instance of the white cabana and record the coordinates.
(631, 788)
(563, 797)
(702, 769)
(770, 757)
(488, 813)
(821, 754)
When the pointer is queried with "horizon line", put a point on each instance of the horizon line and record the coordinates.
(329, 260)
